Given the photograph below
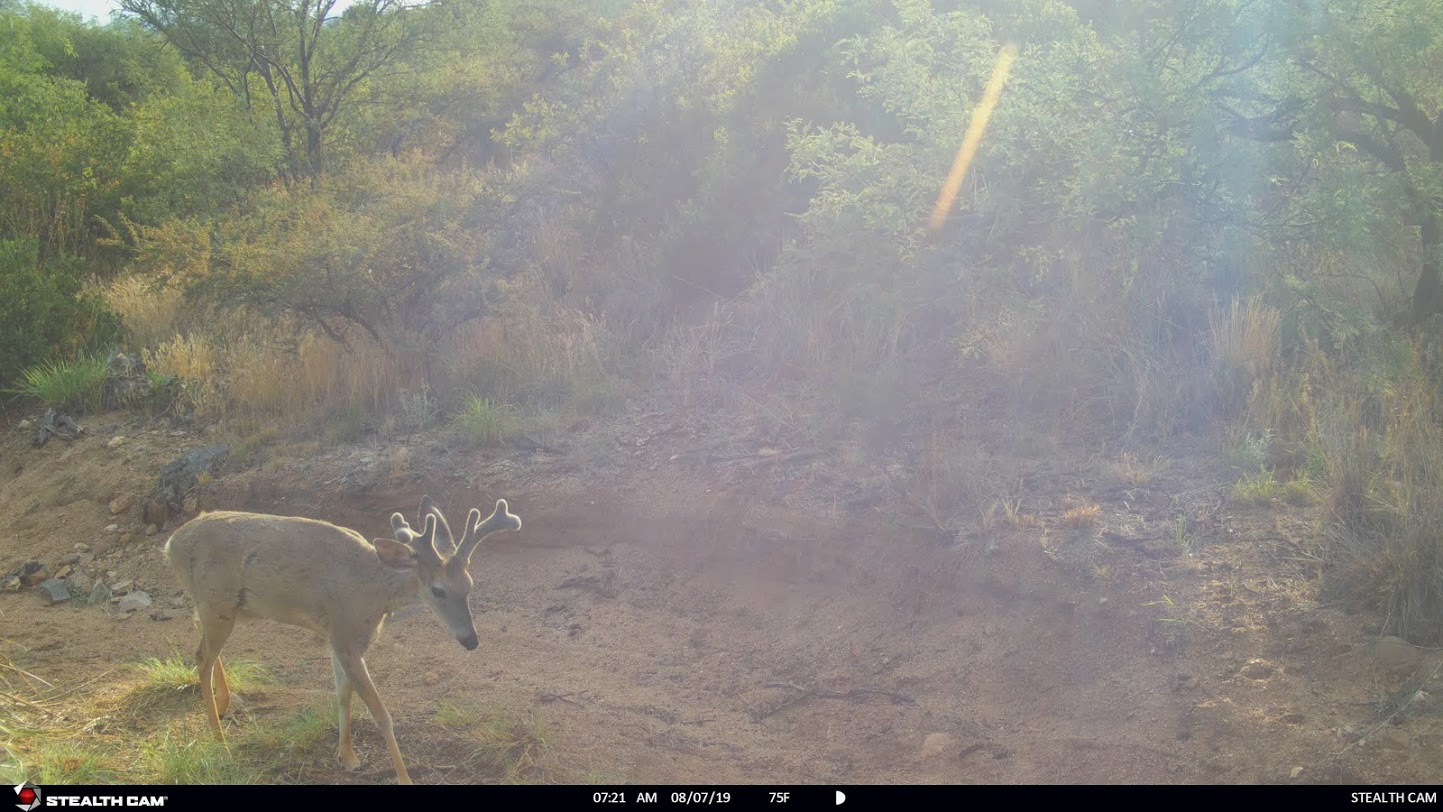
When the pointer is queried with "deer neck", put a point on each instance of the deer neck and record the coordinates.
(403, 589)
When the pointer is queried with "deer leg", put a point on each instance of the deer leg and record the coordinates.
(222, 688)
(344, 692)
(213, 635)
(361, 680)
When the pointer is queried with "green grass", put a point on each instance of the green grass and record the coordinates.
(69, 386)
(174, 679)
(1298, 491)
(484, 421)
(511, 744)
(1248, 454)
(1256, 489)
(193, 758)
(298, 733)
(49, 760)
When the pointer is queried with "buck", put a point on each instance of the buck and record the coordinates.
(329, 579)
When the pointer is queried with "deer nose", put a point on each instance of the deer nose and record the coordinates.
(469, 641)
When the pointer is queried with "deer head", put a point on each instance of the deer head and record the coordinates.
(444, 583)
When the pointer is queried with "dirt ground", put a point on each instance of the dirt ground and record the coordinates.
(682, 621)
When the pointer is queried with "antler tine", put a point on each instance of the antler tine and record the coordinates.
(500, 519)
(401, 529)
(428, 506)
(423, 543)
(468, 538)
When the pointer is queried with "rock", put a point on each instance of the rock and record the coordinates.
(69, 558)
(126, 538)
(82, 547)
(125, 381)
(178, 479)
(100, 593)
(12, 584)
(1398, 655)
(64, 572)
(25, 424)
(35, 578)
(120, 504)
(79, 585)
(940, 745)
(151, 530)
(54, 590)
(1295, 772)
(134, 601)
(112, 528)
(115, 442)
(154, 513)
(162, 614)
(123, 587)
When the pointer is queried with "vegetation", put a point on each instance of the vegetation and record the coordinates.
(1210, 216)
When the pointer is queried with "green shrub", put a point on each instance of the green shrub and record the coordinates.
(44, 314)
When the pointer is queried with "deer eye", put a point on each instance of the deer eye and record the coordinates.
(438, 592)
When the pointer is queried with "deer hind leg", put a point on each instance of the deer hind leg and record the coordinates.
(214, 631)
(360, 678)
(344, 692)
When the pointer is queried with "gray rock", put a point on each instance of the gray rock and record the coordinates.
(79, 585)
(134, 601)
(1398, 655)
(54, 591)
(120, 504)
(69, 558)
(178, 479)
(100, 593)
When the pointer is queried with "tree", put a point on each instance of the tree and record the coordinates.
(294, 54)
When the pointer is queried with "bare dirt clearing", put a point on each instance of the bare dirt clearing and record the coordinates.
(669, 626)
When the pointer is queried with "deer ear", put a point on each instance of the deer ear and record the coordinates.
(394, 554)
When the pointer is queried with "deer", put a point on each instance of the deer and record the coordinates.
(329, 579)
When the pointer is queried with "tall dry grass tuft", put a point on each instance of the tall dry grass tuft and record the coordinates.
(1380, 438)
(544, 356)
(1246, 343)
(194, 360)
(151, 315)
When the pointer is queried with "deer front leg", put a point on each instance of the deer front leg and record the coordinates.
(344, 692)
(361, 679)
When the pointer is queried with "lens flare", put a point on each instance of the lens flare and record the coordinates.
(975, 128)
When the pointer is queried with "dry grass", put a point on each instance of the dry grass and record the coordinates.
(1246, 347)
(151, 316)
(1082, 516)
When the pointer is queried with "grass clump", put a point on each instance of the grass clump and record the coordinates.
(69, 386)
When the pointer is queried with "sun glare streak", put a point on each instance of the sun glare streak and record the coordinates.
(975, 128)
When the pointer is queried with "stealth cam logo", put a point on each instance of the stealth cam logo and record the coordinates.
(29, 796)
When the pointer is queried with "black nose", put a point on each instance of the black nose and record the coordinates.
(470, 642)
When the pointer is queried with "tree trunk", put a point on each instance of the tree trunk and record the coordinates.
(1426, 296)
